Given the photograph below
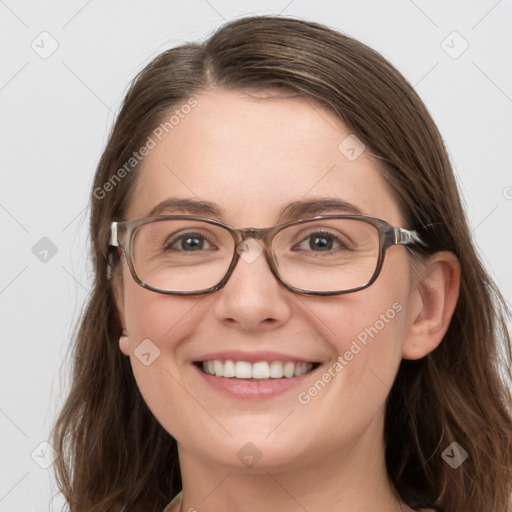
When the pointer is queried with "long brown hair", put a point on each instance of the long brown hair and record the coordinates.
(115, 456)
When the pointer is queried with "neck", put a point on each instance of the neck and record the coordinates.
(349, 480)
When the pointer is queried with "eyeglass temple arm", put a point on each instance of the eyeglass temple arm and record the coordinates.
(401, 236)
(114, 242)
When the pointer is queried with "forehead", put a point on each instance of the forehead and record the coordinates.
(253, 155)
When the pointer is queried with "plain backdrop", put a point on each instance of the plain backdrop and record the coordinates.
(64, 68)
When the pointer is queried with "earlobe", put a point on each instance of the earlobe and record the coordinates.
(124, 343)
(437, 292)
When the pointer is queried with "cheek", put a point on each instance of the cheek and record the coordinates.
(350, 394)
(370, 326)
(367, 334)
(373, 329)
(156, 316)
(156, 323)
(367, 330)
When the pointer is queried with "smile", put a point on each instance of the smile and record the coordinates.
(258, 370)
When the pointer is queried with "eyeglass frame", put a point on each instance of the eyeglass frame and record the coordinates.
(122, 232)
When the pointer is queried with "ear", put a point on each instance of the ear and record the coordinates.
(118, 293)
(434, 300)
(124, 343)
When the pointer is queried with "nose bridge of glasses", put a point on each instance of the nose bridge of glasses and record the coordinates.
(256, 233)
(241, 253)
(264, 234)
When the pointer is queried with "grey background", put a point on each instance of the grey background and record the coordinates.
(55, 116)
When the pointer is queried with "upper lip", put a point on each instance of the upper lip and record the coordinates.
(251, 357)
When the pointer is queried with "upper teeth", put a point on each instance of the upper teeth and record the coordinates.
(259, 370)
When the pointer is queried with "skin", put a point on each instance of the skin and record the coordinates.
(252, 155)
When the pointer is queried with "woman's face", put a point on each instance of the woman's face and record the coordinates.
(253, 156)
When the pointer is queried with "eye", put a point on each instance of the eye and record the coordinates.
(188, 242)
(322, 241)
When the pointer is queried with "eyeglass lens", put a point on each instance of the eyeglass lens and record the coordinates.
(322, 255)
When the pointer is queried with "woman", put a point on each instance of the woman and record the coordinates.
(343, 354)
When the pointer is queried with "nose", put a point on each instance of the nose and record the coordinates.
(253, 298)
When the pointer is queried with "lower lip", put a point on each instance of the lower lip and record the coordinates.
(253, 388)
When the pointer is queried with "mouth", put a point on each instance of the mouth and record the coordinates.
(257, 371)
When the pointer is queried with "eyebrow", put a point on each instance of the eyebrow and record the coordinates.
(292, 211)
(185, 205)
(319, 206)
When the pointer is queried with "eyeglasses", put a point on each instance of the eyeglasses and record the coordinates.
(322, 255)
